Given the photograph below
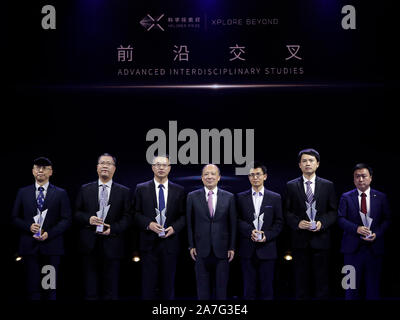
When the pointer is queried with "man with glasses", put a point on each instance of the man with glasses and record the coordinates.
(42, 212)
(103, 214)
(260, 221)
(160, 215)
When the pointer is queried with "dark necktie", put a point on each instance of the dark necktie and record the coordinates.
(161, 201)
(309, 193)
(40, 199)
(364, 203)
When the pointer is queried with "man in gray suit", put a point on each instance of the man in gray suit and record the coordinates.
(211, 221)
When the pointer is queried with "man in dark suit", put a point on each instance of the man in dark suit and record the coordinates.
(363, 238)
(257, 242)
(310, 211)
(211, 220)
(101, 233)
(159, 241)
(42, 240)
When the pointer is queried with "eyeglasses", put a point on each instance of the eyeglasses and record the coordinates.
(106, 163)
(38, 168)
(161, 165)
(253, 175)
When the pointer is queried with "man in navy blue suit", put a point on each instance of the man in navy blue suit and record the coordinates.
(42, 241)
(159, 244)
(211, 221)
(257, 243)
(364, 216)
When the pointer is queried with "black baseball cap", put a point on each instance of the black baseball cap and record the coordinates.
(42, 162)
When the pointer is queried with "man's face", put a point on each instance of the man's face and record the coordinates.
(308, 164)
(210, 176)
(257, 177)
(106, 168)
(362, 179)
(42, 173)
(161, 167)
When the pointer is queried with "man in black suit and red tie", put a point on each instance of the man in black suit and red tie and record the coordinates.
(260, 221)
(310, 210)
(160, 215)
(211, 221)
(42, 213)
(364, 216)
(103, 212)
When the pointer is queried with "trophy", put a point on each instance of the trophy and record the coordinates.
(160, 218)
(258, 223)
(367, 223)
(102, 214)
(311, 213)
(39, 219)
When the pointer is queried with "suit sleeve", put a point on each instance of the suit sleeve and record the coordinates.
(119, 226)
(277, 225)
(233, 222)
(179, 223)
(385, 210)
(291, 218)
(65, 217)
(329, 217)
(16, 214)
(244, 227)
(344, 223)
(81, 215)
(140, 219)
(189, 219)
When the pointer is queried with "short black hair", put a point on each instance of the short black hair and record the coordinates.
(258, 164)
(107, 155)
(309, 151)
(162, 155)
(359, 166)
(42, 162)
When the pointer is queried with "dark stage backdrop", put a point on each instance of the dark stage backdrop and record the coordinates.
(113, 70)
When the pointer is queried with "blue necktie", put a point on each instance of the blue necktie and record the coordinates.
(40, 199)
(161, 199)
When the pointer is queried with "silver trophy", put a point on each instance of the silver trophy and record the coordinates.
(311, 213)
(102, 214)
(39, 219)
(367, 221)
(160, 218)
(258, 223)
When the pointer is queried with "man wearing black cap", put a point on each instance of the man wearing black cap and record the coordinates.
(103, 213)
(42, 213)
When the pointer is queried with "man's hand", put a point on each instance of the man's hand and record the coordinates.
(107, 231)
(35, 227)
(364, 231)
(193, 253)
(169, 232)
(155, 227)
(95, 221)
(305, 225)
(318, 226)
(370, 239)
(254, 236)
(42, 237)
(231, 254)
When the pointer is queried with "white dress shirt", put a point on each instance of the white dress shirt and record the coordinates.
(257, 199)
(45, 187)
(312, 185)
(367, 200)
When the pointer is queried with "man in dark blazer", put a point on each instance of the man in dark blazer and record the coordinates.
(363, 239)
(159, 244)
(257, 244)
(42, 241)
(310, 231)
(101, 240)
(211, 221)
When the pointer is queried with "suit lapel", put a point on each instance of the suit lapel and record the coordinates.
(373, 203)
(354, 197)
(95, 195)
(300, 186)
(202, 200)
(112, 196)
(49, 196)
(34, 202)
(170, 196)
(249, 199)
(220, 199)
(317, 190)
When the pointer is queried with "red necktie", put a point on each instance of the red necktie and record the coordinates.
(363, 203)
